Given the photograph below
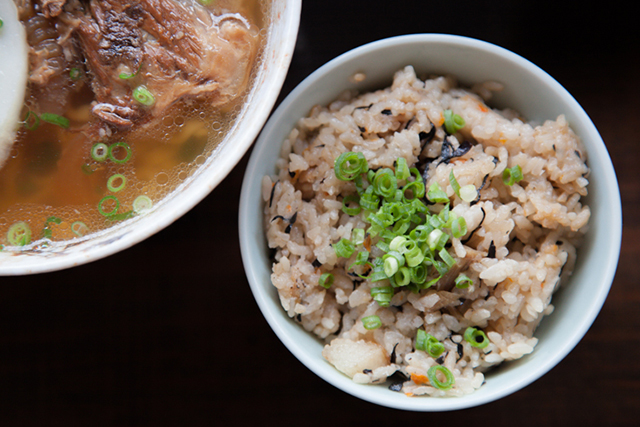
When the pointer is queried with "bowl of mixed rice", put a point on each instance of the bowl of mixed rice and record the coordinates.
(433, 231)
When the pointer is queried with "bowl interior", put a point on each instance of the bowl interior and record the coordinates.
(284, 18)
(530, 91)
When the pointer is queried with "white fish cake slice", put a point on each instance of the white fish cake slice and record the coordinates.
(14, 68)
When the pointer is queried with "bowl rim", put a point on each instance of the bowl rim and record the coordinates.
(125, 235)
(250, 198)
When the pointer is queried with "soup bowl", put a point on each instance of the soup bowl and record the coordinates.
(280, 37)
(527, 89)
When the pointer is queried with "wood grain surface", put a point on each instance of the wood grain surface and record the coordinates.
(168, 333)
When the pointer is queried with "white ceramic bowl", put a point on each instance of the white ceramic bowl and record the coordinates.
(529, 90)
(281, 38)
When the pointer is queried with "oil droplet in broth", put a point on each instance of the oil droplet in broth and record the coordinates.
(162, 178)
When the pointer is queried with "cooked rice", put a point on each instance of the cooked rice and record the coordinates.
(533, 225)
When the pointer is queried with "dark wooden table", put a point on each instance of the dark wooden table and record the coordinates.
(149, 336)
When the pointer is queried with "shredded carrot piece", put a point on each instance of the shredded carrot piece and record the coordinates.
(419, 379)
(441, 119)
(482, 107)
(367, 243)
(288, 208)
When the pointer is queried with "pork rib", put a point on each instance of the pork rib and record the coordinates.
(174, 48)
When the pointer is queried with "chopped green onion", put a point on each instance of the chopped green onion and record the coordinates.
(377, 273)
(344, 248)
(468, 193)
(1, 23)
(419, 274)
(31, 121)
(441, 267)
(359, 183)
(397, 210)
(393, 260)
(415, 189)
(445, 216)
(402, 170)
(411, 238)
(120, 216)
(113, 200)
(458, 227)
(421, 340)
(55, 119)
(142, 204)
(434, 221)
(349, 165)
(75, 73)
(446, 257)
(53, 219)
(369, 200)
(114, 150)
(361, 258)
(454, 183)
(391, 266)
(436, 194)
(126, 76)
(512, 175)
(452, 122)
(428, 343)
(143, 96)
(382, 245)
(402, 276)
(420, 233)
(371, 322)
(351, 211)
(463, 281)
(79, 228)
(357, 236)
(397, 244)
(99, 152)
(432, 374)
(435, 348)
(381, 220)
(116, 182)
(326, 280)
(431, 282)
(370, 175)
(19, 234)
(46, 231)
(206, 2)
(476, 337)
(385, 183)
(88, 169)
(437, 239)
(382, 295)
(413, 254)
